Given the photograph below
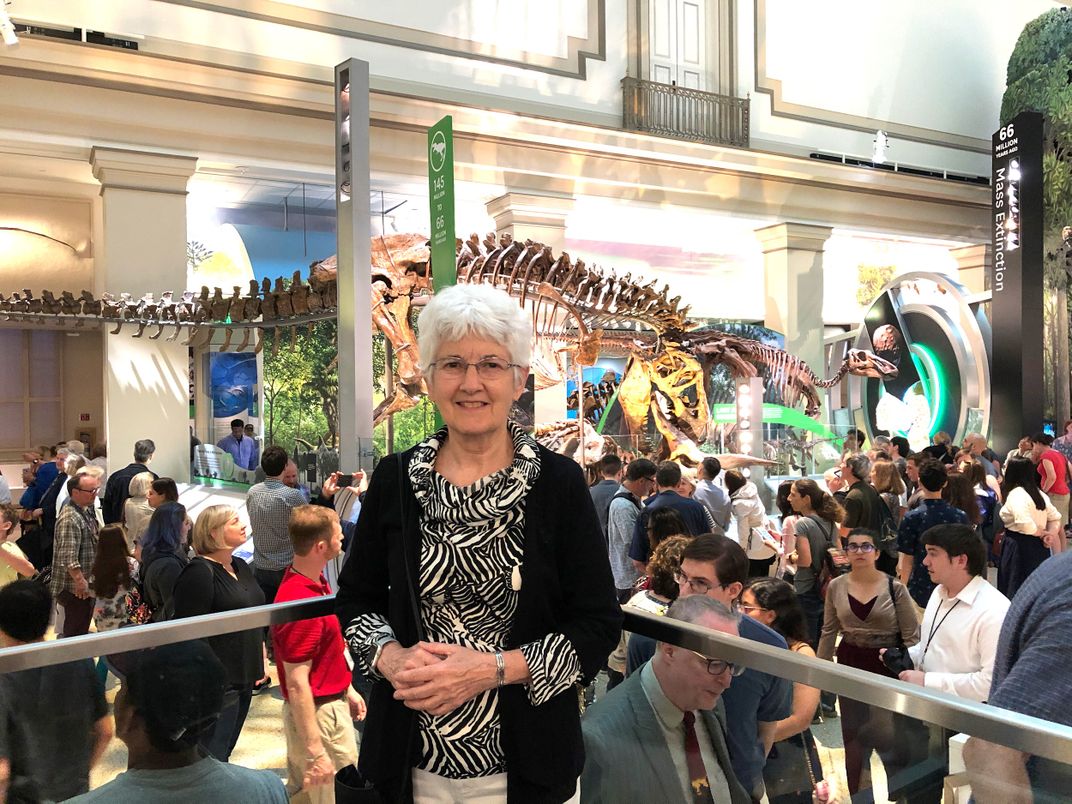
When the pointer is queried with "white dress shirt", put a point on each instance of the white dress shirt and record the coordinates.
(959, 638)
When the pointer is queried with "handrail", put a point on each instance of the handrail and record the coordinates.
(1022, 732)
(1025, 733)
(150, 635)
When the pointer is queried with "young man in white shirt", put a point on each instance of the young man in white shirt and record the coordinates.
(960, 631)
(962, 621)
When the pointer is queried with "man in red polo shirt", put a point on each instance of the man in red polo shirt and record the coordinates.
(319, 705)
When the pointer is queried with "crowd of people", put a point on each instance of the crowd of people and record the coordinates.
(482, 594)
(150, 564)
(882, 567)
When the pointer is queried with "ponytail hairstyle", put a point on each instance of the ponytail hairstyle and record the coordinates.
(734, 481)
(1021, 473)
(824, 505)
(960, 493)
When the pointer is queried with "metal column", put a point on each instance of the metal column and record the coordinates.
(354, 261)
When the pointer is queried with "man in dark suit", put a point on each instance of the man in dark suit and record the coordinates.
(657, 736)
(118, 489)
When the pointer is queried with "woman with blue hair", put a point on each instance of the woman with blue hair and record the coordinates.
(163, 556)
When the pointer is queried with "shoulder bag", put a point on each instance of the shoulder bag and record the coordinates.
(834, 561)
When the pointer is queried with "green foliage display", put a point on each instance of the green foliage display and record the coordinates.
(411, 426)
(1039, 79)
(297, 379)
(301, 385)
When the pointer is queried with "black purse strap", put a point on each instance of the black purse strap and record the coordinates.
(411, 586)
(893, 598)
(405, 791)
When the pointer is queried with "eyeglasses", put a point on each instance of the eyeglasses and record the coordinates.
(717, 667)
(93, 490)
(699, 586)
(837, 473)
(487, 369)
(744, 607)
(866, 547)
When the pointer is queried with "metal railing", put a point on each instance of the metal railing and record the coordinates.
(1022, 732)
(686, 114)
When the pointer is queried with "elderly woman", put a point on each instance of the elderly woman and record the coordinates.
(479, 594)
(136, 510)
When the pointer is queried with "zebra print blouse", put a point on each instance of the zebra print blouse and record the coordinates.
(472, 542)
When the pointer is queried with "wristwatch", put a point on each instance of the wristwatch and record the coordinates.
(373, 651)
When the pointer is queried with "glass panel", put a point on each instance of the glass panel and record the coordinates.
(45, 427)
(11, 434)
(45, 363)
(11, 365)
(854, 749)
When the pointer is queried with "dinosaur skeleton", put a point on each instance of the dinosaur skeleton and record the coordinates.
(577, 312)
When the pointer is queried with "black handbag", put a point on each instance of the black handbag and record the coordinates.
(353, 788)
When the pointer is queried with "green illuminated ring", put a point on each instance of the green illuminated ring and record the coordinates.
(935, 380)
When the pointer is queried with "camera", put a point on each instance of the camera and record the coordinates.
(897, 660)
(345, 481)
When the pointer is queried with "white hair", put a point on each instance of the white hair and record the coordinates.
(480, 311)
(140, 484)
(76, 447)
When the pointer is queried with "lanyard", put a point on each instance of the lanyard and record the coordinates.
(934, 630)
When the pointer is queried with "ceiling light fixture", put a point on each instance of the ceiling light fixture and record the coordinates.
(881, 145)
(7, 27)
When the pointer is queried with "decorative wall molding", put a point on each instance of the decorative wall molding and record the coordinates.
(53, 94)
(780, 107)
(574, 65)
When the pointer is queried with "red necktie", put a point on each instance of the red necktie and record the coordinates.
(701, 790)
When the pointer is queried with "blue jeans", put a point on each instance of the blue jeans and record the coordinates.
(223, 737)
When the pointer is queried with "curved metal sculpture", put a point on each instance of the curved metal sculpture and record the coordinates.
(578, 312)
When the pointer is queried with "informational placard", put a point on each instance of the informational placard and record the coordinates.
(441, 202)
(1016, 281)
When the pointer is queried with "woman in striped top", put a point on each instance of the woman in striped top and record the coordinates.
(479, 596)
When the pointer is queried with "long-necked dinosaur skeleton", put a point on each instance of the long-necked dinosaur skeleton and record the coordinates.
(578, 312)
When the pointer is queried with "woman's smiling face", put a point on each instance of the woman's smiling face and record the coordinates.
(472, 404)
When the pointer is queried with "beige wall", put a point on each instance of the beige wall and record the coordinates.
(83, 391)
(30, 258)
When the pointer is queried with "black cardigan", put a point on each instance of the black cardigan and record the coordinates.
(567, 588)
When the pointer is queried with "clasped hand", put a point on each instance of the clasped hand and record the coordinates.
(438, 678)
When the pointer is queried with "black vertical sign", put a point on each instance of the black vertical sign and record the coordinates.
(1016, 281)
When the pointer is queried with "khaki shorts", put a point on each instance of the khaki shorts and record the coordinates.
(340, 742)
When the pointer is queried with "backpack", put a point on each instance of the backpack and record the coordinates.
(833, 563)
(887, 529)
(625, 495)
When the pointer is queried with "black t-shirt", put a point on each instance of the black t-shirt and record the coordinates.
(206, 587)
(46, 720)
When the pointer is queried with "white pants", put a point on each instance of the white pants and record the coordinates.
(430, 788)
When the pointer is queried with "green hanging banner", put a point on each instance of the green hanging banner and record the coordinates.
(441, 202)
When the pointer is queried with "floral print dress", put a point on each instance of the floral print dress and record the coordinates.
(111, 612)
